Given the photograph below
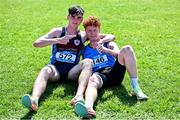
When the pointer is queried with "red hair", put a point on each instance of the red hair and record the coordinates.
(92, 21)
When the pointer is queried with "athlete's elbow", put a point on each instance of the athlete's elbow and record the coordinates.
(36, 44)
(112, 37)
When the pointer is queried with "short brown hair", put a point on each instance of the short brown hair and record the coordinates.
(92, 21)
(75, 10)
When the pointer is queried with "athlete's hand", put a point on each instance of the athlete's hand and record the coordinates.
(101, 48)
(64, 40)
(100, 41)
(69, 36)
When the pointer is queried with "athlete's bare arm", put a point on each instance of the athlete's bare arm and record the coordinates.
(52, 38)
(103, 37)
(112, 49)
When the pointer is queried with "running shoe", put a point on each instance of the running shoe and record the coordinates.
(27, 102)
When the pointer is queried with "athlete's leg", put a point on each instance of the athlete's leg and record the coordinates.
(86, 109)
(47, 73)
(74, 73)
(127, 58)
(82, 72)
(95, 82)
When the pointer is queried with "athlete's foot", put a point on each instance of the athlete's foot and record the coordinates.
(81, 110)
(27, 102)
(139, 94)
(84, 112)
(77, 99)
(91, 113)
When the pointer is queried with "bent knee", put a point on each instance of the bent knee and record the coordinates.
(53, 72)
(47, 70)
(87, 60)
(127, 49)
(95, 81)
(87, 63)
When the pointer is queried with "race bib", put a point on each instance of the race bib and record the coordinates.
(100, 60)
(65, 56)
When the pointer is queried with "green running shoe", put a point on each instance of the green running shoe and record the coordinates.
(27, 102)
(81, 109)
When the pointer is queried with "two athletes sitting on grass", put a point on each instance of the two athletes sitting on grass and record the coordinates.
(67, 43)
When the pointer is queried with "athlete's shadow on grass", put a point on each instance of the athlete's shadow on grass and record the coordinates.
(120, 92)
(69, 88)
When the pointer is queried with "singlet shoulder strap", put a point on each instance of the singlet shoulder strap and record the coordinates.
(63, 33)
(84, 49)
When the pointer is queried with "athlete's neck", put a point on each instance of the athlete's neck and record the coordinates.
(94, 44)
(72, 30)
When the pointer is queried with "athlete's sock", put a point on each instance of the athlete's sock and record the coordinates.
(135, 85)
(35, 99)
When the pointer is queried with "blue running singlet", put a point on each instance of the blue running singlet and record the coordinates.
(100, 60)
(64, 57)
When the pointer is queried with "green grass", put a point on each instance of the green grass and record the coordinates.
(152, 27)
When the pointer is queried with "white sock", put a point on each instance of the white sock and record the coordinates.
(134, 82)
(35, 99)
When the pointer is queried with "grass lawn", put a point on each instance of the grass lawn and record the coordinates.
(151, 27)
